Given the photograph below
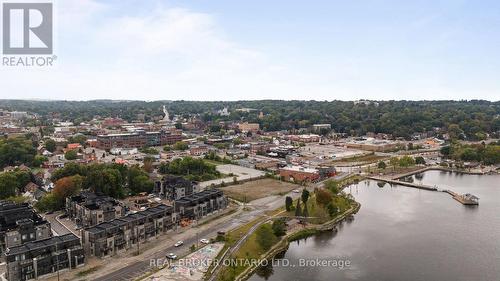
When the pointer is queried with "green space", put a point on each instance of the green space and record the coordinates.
(488, 154)
(191, 168)
(115, 180)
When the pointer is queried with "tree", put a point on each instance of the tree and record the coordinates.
(16, 151)
(50, 145)
(455, 132)
(138, 181)
(406, 161)
(70, 169)
(81, 139)
(298, 209)
(382, 165)
(288, 203)
(265, 236)
(48, 202)
(279, 227)
(323, 196)
(419, 160)
(305, 196)
(333, 186)
(394, 161)
(180, 145)
(332, 209)
(39, 160)
(71, 155)
(148, 164)
(446, 151)
(66, 187)
(305, 211)
(8, 185)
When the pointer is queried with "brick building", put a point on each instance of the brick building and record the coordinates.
(299, 174)
(138, 139)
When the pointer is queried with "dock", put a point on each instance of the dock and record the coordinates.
(465, 199)
(404, 183)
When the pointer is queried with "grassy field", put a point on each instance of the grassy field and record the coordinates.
(252, 190)
(248, 251)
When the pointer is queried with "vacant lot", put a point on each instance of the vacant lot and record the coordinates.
(257, 189)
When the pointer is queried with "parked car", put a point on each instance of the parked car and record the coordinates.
(296, 191)
(172, 256)
(204, 241)
(178, 244)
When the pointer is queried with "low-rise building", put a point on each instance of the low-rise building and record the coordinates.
(109, 238)
(88, 209)
(201, 204)
(317, 128)
(42, 257)
(306, 138)
(372, 144)
(249, 127)
(19, 224)
(299, 174)
(198, 150)
(138, 139)
(174, 187)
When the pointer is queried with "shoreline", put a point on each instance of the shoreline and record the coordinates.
(438, 168)
(306, 232)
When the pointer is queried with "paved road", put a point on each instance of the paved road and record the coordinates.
(56, 226)
(258, 208)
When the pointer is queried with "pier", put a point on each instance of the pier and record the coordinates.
(465, 199)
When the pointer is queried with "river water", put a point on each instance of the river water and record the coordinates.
(402, 233)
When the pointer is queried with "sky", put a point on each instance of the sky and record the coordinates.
(248, 50)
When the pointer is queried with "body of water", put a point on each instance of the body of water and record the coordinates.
(401, 233)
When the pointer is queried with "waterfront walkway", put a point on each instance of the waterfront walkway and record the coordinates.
(460, 198)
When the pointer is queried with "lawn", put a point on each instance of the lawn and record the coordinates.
(252, 190)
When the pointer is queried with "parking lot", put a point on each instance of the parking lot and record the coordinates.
(241, 173)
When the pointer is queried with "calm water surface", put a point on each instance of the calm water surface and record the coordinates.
(401, 233)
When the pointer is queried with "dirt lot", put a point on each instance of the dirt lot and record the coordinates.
(258, 189)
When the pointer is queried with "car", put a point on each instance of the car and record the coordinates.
(296, 191)
(178, 244)
(220, 232)
(204, 241)
(172, 256)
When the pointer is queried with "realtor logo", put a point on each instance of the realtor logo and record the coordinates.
(27, 29)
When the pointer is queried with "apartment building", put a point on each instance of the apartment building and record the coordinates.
(19, 224)
(173, 187)
(43, 257)
(200, 204)
(138, 139)
(109, 238)
(88, 209)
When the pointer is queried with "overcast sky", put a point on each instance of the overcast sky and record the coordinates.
(234, 50)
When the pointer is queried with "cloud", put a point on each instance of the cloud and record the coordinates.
(170, 53)
(114, 50)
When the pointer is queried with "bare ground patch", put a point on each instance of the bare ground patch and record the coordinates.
(252, 190)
